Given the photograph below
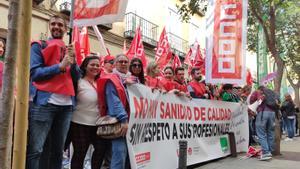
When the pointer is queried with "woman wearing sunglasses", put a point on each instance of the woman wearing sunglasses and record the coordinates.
(136, 69)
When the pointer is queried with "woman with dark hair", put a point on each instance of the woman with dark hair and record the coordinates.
(83, 126)
(136, 69)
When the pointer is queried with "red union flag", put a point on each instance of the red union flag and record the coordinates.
(226, 25)
(176, 62)
(95, 12)
(137, 48)
(163, 53)
(82, 44)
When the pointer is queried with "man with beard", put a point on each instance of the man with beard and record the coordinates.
(196, 88)
(52, 95)
(179, 79)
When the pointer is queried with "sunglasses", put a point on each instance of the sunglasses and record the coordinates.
(110, 61)
(123, 61)
(136, 65)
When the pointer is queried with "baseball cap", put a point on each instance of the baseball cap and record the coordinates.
(108, 58)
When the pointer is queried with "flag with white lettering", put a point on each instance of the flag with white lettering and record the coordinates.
(163, 55)
(176, 62)
(95, 12)
(226, 35)
(136, 49)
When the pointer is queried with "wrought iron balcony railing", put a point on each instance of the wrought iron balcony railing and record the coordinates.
(178, 45)
(148, 29)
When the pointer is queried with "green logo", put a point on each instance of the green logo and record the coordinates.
(224, 143)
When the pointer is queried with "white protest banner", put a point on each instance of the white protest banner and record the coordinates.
(226, 35)
(158, 121)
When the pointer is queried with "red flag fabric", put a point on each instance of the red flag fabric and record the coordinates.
(162, 56)
(76, 41)
(81, 42)
(194, 58)
(137, 48)
(249, 78)
(176, 62)
(187, 59)
(84, 44)
(95, 12)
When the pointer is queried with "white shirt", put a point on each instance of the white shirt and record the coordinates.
(60, 99)
(86, 111)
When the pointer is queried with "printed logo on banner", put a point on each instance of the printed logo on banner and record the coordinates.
(224, 144)
(142, 158)
(196, 150)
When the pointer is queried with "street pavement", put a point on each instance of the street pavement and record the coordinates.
(289, 159)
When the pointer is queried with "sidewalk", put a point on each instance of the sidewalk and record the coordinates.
(290, 159)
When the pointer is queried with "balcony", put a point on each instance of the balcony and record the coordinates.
(105, 26)
(148, 29)
(178, 45)
(65, 7)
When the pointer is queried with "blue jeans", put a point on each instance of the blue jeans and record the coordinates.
(119, 153)
(49, 122)
(265, 130)
(290, 127)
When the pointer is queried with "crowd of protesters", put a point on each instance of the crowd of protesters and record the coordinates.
(66, 100)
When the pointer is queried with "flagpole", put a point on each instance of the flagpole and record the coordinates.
(136, 44)
(100, 38)
(71, 22)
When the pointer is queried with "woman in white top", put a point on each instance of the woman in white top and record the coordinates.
(83, 126)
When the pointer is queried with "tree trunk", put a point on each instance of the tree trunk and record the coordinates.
(7, 96)
(21, 113)
(279, 69)
(296, 89)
